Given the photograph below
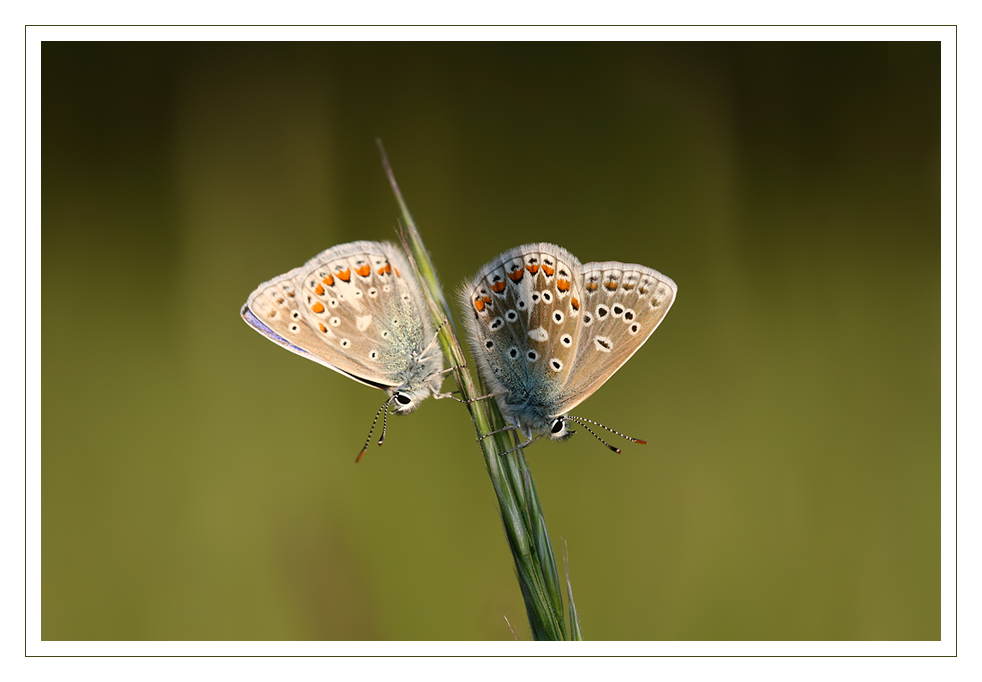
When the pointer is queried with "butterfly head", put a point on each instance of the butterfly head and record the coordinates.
(407, 399)
(559, 428)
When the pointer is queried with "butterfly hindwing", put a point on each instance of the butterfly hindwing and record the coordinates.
(522, 316)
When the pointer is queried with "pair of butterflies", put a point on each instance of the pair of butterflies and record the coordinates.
(546, 330)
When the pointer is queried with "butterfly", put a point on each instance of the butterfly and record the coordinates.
(547, 331)
(357, 309)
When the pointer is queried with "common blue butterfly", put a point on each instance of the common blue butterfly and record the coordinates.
(547, 331)
(357, 309)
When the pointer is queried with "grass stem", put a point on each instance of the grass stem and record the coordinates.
(521, 513)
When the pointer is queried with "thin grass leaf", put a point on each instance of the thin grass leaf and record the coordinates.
(574, 619)
(518, 502)
(543, 548)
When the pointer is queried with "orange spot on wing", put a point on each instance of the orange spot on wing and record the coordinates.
(364, 270)
(317, 307)
(345, 275)
(323, 328)
(397, 273)
(478, 304)
(385, 269)
(563, 285)
(329, 280)
(319, 290)
(575, 302)
(532, 268)
(610, 286)
(546, 269)
(516, 276)
(591, 286)
(498, 287)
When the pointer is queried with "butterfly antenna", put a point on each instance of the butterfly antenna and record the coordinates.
(385, 419)
(580, 421)
(598, 437)
(374, 422)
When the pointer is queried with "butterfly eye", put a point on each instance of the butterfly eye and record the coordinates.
(403, 399)
(557, 426)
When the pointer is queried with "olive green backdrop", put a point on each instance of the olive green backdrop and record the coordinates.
(199, 482)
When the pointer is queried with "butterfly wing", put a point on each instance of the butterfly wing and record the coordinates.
(353, 308)
(522, 311)
(622, 304)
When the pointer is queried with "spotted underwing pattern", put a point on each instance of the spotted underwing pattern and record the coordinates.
(547, 331)
(357, 309)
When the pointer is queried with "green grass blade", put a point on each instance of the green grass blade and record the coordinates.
(518, 502)
(574, 619)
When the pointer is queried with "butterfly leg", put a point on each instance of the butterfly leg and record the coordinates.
(491, 433)
(521, 445)
(436, 337)
(464, 402)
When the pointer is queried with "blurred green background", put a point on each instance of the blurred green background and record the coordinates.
(199, 482)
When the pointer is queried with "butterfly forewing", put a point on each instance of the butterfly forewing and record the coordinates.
(353, 308)
(622, 305)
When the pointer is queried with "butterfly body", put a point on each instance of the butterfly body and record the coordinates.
(547, 331)
(357, 309)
